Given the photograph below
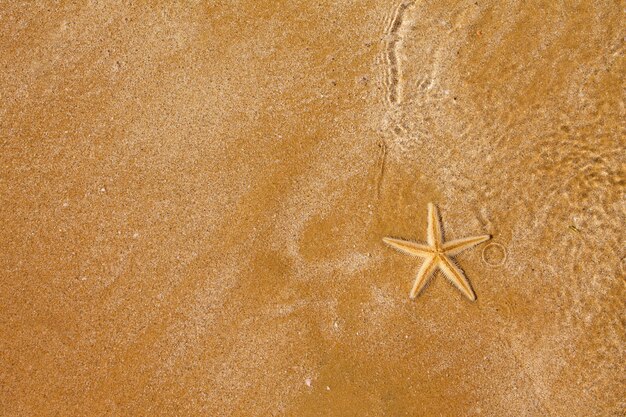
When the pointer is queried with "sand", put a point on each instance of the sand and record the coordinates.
(193, 199)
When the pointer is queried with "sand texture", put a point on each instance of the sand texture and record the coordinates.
(193, 197)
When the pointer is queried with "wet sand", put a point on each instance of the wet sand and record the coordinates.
(193, 201)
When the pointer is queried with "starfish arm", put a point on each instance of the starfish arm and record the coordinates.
(425, 272)
(456, 246)
(454, 274)
(406, 246)
(434, 226)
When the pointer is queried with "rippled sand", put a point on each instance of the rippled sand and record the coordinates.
(193, 201)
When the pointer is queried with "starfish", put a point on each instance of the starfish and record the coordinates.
(437, 255)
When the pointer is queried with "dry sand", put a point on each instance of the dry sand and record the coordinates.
(193, 198)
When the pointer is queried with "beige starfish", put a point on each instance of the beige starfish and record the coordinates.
(437, 255)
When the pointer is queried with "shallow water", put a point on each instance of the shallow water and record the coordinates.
(194, 200)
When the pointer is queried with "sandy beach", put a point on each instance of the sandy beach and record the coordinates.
(194, 196)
